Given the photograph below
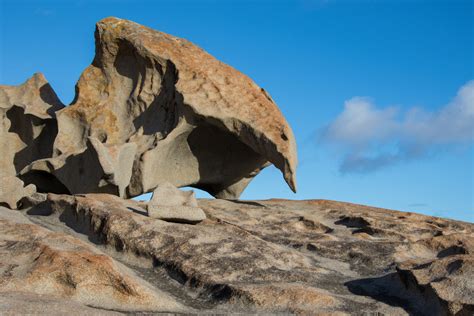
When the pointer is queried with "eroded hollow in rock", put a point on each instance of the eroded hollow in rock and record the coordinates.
(45, 182)
(221, 158)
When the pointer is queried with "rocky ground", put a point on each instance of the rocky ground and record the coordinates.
(99, 254)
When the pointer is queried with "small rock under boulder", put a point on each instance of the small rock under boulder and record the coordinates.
(170, 204)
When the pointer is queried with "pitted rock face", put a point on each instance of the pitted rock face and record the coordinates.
(193, 120)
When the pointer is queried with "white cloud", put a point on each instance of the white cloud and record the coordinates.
(371, 138)
(362, 122)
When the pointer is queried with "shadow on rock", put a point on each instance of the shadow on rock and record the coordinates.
(398, 290)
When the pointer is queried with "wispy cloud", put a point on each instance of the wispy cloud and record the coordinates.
(370, 138)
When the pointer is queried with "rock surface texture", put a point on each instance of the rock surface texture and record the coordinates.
(37, 261)
(151, 108)
(275, 256)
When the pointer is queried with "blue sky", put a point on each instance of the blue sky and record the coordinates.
(378, 93)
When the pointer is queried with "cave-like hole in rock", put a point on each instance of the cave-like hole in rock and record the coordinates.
(44, 182)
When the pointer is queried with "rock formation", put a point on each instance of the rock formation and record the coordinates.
(265, 257)
(28, 126)
(150, 109)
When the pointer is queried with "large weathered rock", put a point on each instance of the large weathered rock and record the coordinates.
(27, 124)
(279, 256)
(192, 121)
(171, 204)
